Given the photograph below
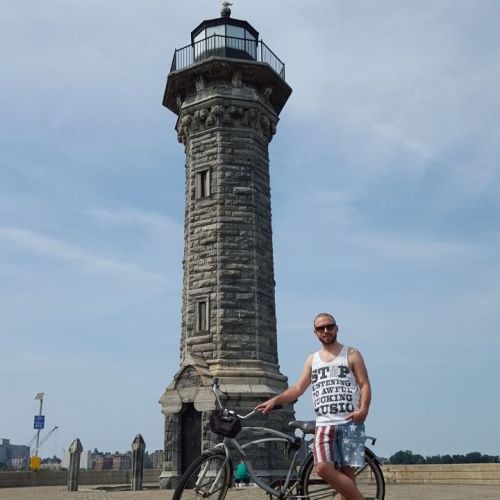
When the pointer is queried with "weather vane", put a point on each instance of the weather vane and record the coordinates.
(225, 11)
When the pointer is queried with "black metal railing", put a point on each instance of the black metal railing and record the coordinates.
(227, 46)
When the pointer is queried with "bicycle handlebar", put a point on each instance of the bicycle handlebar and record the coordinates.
(216, 390)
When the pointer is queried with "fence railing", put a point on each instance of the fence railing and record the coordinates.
(227, 46)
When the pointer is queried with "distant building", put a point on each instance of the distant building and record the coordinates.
(53, 463)
(103, 462)
(122, 461)
(115, 461)
(85, 460)
(98, 460)
(13, 456)
(155, 460)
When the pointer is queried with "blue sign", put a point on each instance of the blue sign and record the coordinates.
(39, 422)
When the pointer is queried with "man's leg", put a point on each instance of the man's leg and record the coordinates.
(341, 480)
(349, 472)
(350, 447)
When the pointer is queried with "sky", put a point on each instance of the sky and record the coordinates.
(385, 183)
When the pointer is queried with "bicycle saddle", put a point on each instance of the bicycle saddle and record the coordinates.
(306, 426)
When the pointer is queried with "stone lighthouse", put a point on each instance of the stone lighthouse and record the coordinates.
(227, 88)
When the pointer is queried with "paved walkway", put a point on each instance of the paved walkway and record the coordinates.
(394, 492)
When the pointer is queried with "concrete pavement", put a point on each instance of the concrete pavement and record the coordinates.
(393, 492)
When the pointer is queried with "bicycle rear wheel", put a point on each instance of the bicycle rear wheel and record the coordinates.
(209, 476)
(369, 480)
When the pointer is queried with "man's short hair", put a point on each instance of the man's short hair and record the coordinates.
(321, 315)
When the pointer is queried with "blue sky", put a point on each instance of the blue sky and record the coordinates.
(385, 192)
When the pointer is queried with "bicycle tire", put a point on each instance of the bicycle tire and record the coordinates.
(369, 480)
(209, 467)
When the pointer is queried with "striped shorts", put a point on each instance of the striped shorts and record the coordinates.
(341, 444)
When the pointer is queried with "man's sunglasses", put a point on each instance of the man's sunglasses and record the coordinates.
(325, 328)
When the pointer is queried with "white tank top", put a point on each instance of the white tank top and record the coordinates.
(335, 390)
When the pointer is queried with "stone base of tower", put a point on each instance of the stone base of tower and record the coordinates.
(189, 401)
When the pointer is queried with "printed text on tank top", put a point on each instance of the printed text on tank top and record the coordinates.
(335, 389)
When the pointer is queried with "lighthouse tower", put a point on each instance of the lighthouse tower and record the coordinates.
(227, 88)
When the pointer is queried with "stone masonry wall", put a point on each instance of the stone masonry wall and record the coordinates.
(228, 247)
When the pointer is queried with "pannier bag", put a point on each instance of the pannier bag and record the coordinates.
(225, 425)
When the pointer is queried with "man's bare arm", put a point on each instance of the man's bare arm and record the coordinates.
(358, 367)
(292, 393)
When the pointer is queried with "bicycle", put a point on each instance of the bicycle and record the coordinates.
(211, 474)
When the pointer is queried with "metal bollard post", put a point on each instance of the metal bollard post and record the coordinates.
(75, 449)
(138, 447)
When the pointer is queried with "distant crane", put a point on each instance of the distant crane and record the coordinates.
(43, 440)
(34, 464)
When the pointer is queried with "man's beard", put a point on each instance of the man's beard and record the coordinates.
(328, 340)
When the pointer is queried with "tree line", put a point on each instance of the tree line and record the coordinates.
(408, 458)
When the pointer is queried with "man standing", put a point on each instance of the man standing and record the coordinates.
(341, 396)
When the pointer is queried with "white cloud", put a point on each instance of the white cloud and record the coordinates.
(394, 137)
(145, 220)
(61, 250)
(409, 247)
(400, 92)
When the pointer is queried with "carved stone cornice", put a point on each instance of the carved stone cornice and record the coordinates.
(225, 116)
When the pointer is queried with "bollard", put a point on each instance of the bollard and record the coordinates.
(138, 447)
(75, 449)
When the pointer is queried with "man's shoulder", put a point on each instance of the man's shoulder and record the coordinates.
(310, 358)
(354, 355)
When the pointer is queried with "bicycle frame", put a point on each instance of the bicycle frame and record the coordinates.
(277, 437)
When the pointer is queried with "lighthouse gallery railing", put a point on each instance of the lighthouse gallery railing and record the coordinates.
(227, 46)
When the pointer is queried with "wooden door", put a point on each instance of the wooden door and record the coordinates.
(190, 436)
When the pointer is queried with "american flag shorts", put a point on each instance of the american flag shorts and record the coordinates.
(342, 444)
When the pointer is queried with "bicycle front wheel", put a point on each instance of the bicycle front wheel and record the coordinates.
(209, 476)
(369, 480)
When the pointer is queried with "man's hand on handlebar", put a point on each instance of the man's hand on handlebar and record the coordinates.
(267, 406)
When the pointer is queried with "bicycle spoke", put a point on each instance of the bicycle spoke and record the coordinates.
(208, 476)
(359, 470)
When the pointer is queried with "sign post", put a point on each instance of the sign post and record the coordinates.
(38, 424)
